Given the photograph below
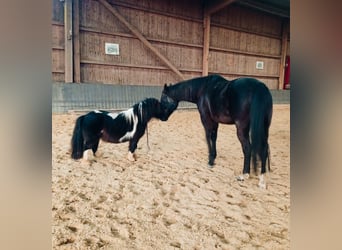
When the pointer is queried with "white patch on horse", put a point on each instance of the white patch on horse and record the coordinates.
(113, 115)
(130, 117)
(262, 182)
(86, 154)
(130, 156)
(140, 110)
(242, 177)
(97, 111)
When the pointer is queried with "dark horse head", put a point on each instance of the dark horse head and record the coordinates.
(168, 103)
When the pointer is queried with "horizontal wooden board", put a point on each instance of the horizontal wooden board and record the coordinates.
(231, 39)
(248, 19)
(131, 76)
(57, 58)
(57, 36)
(241, 64)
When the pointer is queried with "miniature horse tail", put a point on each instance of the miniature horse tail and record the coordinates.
(77, 140)
(261, 114)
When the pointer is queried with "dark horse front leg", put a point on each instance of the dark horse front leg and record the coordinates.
(211, 135)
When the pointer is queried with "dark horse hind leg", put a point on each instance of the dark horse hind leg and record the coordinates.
(243, 135)
(265, 154)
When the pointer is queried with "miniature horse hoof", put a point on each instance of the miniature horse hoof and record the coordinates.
(130, 156)
(262, 185)
(210, 166)
(242, 177)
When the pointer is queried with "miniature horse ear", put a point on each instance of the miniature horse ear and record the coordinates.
(165, 86)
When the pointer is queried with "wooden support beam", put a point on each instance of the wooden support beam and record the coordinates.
(76, 41)
(216, 5)
(206, 39)
(140, 36)
(68, 62)
(285, 31)
(265, 7)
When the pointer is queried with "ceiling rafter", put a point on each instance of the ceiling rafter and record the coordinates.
(214, 6)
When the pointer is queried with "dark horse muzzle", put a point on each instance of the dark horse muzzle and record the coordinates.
(168, 105)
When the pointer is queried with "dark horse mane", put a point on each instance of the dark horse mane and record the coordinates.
(128, 125)
(189, 89)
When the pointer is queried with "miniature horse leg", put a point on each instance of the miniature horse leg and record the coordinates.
(95, 146)
(243, 135)
(131, 148)
(133, 144)
(91, 143)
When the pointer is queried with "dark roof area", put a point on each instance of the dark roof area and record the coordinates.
(275, 7)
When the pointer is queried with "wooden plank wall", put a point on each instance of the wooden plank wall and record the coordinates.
(239, 37)
(57, 41)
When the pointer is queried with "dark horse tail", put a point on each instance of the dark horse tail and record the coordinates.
(77, 140)
(261, 115)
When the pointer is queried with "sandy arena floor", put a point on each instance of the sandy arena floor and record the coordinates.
(168, 198)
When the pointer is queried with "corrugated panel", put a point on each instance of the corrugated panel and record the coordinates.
(86, 97)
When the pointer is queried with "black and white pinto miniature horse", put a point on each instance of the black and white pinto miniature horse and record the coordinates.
(245, 102)
(128, 125)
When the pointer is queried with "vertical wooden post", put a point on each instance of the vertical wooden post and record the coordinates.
(206, 40)
(68, 54)
(284, 38)
(76, 41)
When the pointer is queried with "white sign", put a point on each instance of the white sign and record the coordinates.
(259, 65)
(112, 48)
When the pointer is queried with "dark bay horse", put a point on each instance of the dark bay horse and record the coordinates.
(245, 102)
(128, 125)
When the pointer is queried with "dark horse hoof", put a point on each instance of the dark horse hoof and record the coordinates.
(210, 164)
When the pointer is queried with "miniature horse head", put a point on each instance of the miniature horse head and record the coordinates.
(151, 107)
(167, 102)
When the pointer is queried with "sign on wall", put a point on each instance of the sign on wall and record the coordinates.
(112, 48)
(259, 65)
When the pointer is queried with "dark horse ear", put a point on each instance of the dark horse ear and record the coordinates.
(167, 86)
